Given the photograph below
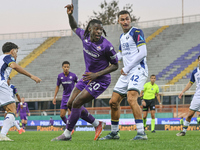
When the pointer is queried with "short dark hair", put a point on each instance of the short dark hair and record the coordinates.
(123, 12)
(198, 56)
(65, 62)
(153, 75)
(91, 23)
(8, 46)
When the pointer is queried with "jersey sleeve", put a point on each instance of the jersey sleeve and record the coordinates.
(14, 90)
(145, 87)
(8, 59)
(80, 33)
(192, 79)
(111, 54)
(76, 78)
(58, 81)
(157, 90)
(120, 48)
(138, 37)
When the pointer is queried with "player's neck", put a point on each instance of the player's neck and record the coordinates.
(126, 30)
(66, 73)
(152, 83)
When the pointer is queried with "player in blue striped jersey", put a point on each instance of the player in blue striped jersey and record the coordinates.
(133, 52)
(195, 103)
(7, 63)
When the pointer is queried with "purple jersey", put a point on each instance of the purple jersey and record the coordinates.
(51, 121)
(98, 54)
(24, 109)
(67, 82)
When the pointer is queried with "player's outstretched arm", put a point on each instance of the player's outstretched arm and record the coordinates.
(72, 21)
(23, 71)
(185, 89)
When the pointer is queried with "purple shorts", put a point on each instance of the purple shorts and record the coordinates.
(95, 88)
(23, 116)
(64, 101)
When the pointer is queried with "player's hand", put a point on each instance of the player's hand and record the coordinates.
(89, 76)
(54, 101)
(160, 106)
(122, 72)
(16, 115)
(29, 114)
(180, 95)
(70, 9)
(143, 103)
(36, 79)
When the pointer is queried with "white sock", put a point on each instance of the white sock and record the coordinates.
(114, 128)
(95, 123)
(140, 128)
(7, 123)
(16, 125)
(67, 133)
(185, 125)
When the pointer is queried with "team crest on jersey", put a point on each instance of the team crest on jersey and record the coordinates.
(98, 48)
(127, 37)
(61, 77)
(151, 88)
(70, 77)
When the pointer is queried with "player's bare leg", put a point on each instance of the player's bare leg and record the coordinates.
(186, 123)
(115, 115)
(132, 100)
(8, 121)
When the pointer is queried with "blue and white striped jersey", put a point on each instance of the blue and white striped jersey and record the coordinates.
(129, 43)
(5, 71)
(196, 77)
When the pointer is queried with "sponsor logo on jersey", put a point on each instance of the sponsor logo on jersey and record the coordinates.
(67, 82)
(140, 38)
(95, 55)
(98, 48)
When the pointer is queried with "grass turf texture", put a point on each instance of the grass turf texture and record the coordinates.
(33, 140)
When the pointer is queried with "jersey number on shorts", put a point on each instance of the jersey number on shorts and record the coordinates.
(94, 85)
(135, 78)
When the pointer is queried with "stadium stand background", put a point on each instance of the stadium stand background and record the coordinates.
(167, 46)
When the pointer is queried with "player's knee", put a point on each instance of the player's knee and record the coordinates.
(113, 105)
(132, 101)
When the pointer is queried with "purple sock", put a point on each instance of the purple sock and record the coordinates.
(75, 115)
(85, 115)
(64, 119)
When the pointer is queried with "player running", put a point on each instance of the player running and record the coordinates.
(98, 53)
(195, 103)
(133, 51)
(7, 63)
(14, 92)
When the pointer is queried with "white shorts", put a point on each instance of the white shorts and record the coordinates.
(5, 94)
(135, 80)
(195, 103)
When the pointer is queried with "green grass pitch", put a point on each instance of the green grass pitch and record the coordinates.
(164, 140)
